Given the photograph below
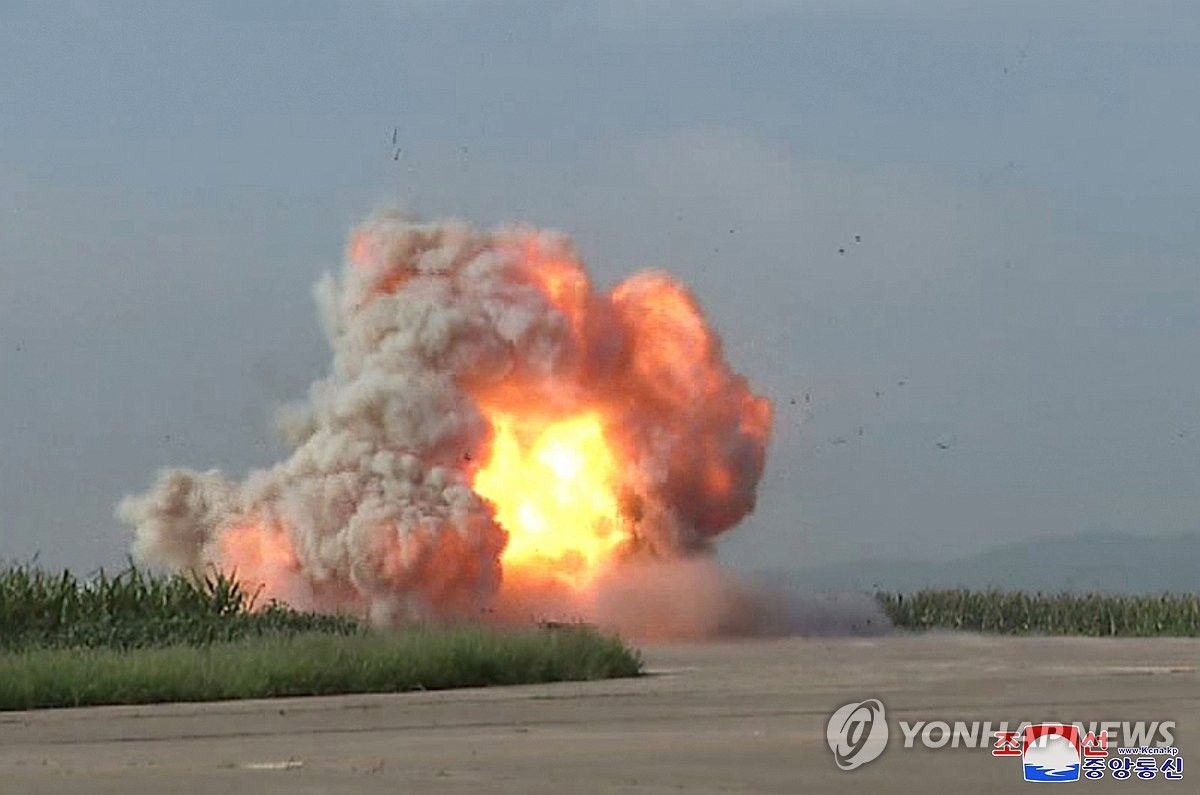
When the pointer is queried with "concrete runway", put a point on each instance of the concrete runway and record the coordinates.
(719, 717)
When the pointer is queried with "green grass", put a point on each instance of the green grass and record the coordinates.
(136, 638)
(1019, 613)
(309, 664)
(134, 609)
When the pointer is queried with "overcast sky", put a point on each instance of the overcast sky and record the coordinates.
(1025, 182)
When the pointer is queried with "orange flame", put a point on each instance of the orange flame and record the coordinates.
(261, 557)
(555, 492)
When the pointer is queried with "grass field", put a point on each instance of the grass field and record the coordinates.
(1019, 613)
(309, 664)
(134, 609)
(136, 638)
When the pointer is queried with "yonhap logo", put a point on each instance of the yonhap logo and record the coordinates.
(857, 733)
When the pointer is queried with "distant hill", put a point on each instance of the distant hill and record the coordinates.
(1109, 562)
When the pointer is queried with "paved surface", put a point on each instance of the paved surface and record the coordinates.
(727, 717)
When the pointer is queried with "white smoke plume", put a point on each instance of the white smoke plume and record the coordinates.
(445, 338)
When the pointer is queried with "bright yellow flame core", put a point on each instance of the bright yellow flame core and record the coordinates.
(555, 496)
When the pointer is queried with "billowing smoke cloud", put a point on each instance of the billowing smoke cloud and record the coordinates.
(492, 428)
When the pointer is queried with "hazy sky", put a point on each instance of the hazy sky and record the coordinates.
(1025, 181)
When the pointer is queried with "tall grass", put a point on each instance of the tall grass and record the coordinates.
(1019, 613)
(134, 609)
(136, 638)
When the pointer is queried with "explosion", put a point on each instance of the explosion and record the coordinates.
(493, 432)
(556, 499)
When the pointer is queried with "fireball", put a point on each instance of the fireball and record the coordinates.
(555, 492)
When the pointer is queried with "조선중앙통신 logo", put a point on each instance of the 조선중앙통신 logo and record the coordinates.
(1050, 752)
